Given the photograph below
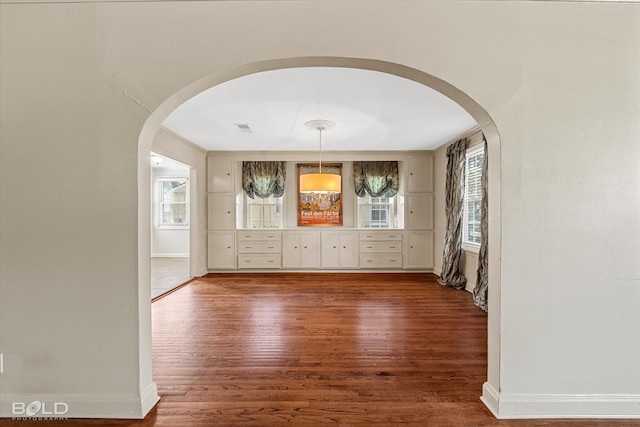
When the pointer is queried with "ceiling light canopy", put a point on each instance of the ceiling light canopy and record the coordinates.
(320, 183)
(156, 159)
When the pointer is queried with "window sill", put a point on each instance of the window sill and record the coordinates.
(467, 247)
(173, 227)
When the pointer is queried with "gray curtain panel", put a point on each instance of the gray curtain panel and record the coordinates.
(454, 200)
(482, 276)
(264, 179)
(377, 179)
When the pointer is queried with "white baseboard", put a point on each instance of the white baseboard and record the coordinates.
(491, 398)
(522, 406)
(79, 406)
(149, 399)
(437, 270)
(469, 286)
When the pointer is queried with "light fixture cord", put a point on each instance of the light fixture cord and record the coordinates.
(320, 167)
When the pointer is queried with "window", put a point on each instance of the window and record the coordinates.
(264, 213)
(376, 212)
(473, 197)
(173, 202)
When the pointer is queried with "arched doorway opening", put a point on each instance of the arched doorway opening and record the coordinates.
(486, 125)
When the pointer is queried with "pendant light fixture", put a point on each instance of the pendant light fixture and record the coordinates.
(320, 183)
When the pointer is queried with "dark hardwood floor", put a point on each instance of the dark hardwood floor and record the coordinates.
(311, 349)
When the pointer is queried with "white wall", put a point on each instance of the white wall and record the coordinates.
(177, 148)
(80, 80)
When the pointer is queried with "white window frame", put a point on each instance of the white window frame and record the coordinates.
(471, 152)
(277, 202)
(161, 203)
(392, 210)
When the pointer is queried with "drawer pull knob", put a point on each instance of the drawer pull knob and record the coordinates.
(392, 247)
(295, 247)
(369, 247)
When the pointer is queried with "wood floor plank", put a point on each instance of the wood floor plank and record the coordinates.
(323, 348)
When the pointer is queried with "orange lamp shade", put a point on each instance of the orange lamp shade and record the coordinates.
(320, 183)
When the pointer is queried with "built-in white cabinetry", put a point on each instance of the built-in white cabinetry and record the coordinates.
(220, 175)
(221, 250)
(290, 249)
(318, 248)
(221, 236)
(300, 250)
(419, 249)
(339, 249)
(259, 249)
(419, 211)
(419, 174)
(220, 212)
(381, 249)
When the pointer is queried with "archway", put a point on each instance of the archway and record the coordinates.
(486, 125)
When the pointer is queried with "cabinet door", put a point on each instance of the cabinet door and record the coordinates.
(348, 250)
(220, 174)
(330, 251)
(419, 211)
(310, 250)
(291, 250)
(419, 249)
(220, 209)
(221, 252)
(419, 174)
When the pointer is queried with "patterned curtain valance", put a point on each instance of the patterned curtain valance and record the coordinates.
(264, 179)
(377, 179)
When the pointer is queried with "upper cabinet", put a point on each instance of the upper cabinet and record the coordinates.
(220, 212)
(220, 173)
(419, 174)
(419, 211)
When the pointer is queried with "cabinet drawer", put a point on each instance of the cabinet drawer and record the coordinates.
(247, 247)
(380, 247)
(259, 236)
(381, 261)
(377, 235)
(258, 261)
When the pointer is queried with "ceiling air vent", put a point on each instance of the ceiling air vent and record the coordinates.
(244, 127)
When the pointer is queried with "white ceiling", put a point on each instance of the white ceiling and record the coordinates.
(372, 111)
